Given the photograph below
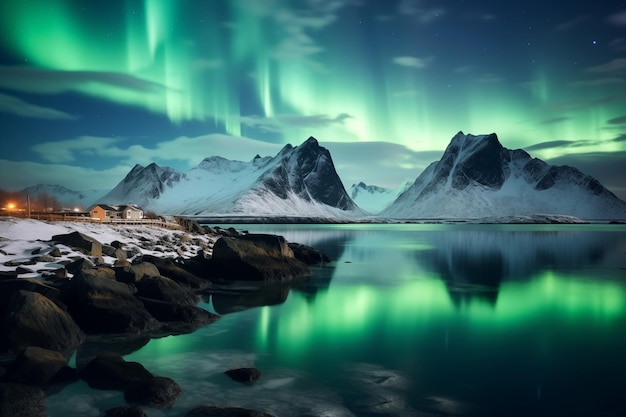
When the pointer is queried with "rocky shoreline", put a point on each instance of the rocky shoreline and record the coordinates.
(63, 294)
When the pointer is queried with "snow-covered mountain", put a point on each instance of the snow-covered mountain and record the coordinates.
(373, 198)
(142, 185)
(478, 177)
(298, 181)
(60, 197)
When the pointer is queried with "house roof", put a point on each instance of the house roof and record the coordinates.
(111, 207)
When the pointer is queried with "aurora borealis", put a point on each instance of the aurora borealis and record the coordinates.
(88, 89)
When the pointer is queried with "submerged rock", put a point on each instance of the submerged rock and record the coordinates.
(212, 411)
(109, 370)
(17, 400)
(156, 392)
(246, 376)
(126, 411)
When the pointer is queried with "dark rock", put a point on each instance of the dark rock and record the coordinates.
(165, 289)
(156, 392)
(55, 252)
(117, 244)
(110, 371)
(211, 411)
(256, 257)
(103, 305)
(108, 250)
(80, 242)
(17, 400)
(7, 275)
(135, 272)
(79, 265)
(121, 344)
(308, 255)
(126, 411)
(189, 317)
(177, 272)
(10, 286)
(37, 366)
(21, 270)
(34, 320)
(19, 262)
(246, 376)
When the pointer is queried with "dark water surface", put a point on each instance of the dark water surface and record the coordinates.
(413, 320)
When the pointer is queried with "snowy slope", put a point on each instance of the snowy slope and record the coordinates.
(298, 181)
(477, 177)
(66, 198)
(373, 198)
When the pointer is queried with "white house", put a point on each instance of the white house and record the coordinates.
(109, 211)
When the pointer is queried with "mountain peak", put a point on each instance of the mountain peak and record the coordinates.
(477, 177)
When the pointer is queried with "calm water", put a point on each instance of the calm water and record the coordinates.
(413, 320)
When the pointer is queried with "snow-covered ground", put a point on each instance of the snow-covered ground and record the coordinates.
(22, 240)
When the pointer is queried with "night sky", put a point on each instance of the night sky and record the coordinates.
(90, 88)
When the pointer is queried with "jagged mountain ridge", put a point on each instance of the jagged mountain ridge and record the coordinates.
(298, 181)
(478, 177)
(373, 198)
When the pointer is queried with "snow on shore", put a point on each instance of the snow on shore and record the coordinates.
(21, 240)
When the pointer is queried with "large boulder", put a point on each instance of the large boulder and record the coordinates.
(10, 286)
(103, 305)
(157, 392)
(135, 272)
(110, 371)
(256, 257)
(212, 411)
(165, 289)
(34, 320)
(80, 242)
(180, 318)
(39, 367)
(177, 272)
(17, 400)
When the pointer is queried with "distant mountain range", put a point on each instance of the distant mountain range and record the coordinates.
(373, 198)
(476, 177)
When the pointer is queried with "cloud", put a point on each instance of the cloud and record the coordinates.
(416, 9)
(598, 82)
(618, 44)
(618, 19)
(549, 145)
(617, 120)
(185, 152)
(19, 107)
(278, 124)
(411, 61)
(72, 150)
(554, 120)
(617, 65)
(39, 80)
